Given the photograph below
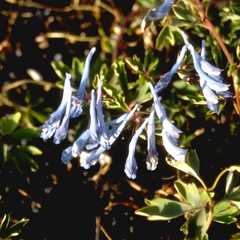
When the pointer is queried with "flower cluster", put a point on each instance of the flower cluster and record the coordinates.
(100, 134)
(70, 107)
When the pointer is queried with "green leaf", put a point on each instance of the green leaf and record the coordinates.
(32, 150)
(119, 98)
(235, 236)
(120, 72)
(189, 193)
(183, 14)
(107, 44)
(15, 229)
(3, 153)
(77, 69)
(196, 226)
(182, 166)
(134, 63)
(164, 209)
(4, 223)
(60, 69)
(9, 123)
(26, 133)
(193, 161)
(224, 212)
(231, 181)
(141, 93)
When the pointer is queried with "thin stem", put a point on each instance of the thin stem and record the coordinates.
(208, 25)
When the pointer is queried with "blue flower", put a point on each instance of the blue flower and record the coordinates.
(100, 135)
(158, 13)
(210, 78)
(205, 70)
(170, 133)
(61, 132)
(152, 157)
(52, 124)
(164, 81)
(170, 145)
(131, 164)
(77, 100)
(92, 157)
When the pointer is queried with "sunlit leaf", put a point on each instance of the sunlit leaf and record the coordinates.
(9, 123)
(189, 193)
(164, 209)
(231, 181)
(60, 69)
(183, 14)
(15, 229)
(196, 226)
(26, 133)
(193, 161)
(4, 223)
(77, 69)
(224, 212)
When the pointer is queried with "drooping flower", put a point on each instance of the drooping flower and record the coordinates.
(170, 133)
(61, 132)
(171, 147)
(92, 157)
(51, 125)
(210, 80)
(152, 156)
(100, 135)
(131, 163)
(77, 100)
(158, 13)
(164, 81)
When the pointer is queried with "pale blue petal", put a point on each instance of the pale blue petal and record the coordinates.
(104, 139)
(61, 132)
(208, 93)
(79, 144)
(94, 127)
(91, 158)
(83, 83)
(50, 126)
(77, 100)
(67, 155)
(152, 157)
(131, 165)
(161, 113)
(175, 151)
(118, 131)
(161, 11)
(164, 81)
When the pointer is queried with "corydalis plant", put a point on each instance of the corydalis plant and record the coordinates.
(70, 106)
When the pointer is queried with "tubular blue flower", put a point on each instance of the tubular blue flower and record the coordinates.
(131, 164)
(92, 157)
(104, 138)
(171, 147)
(94, 127)
(61, 132)
(79, 144)
(51, 125)
(164, 81)
(161, 113)
(205, 70)
(77, 100)
(158, 13)
(67, 155)
(170, 133)
(210, 78)
(152, 157)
